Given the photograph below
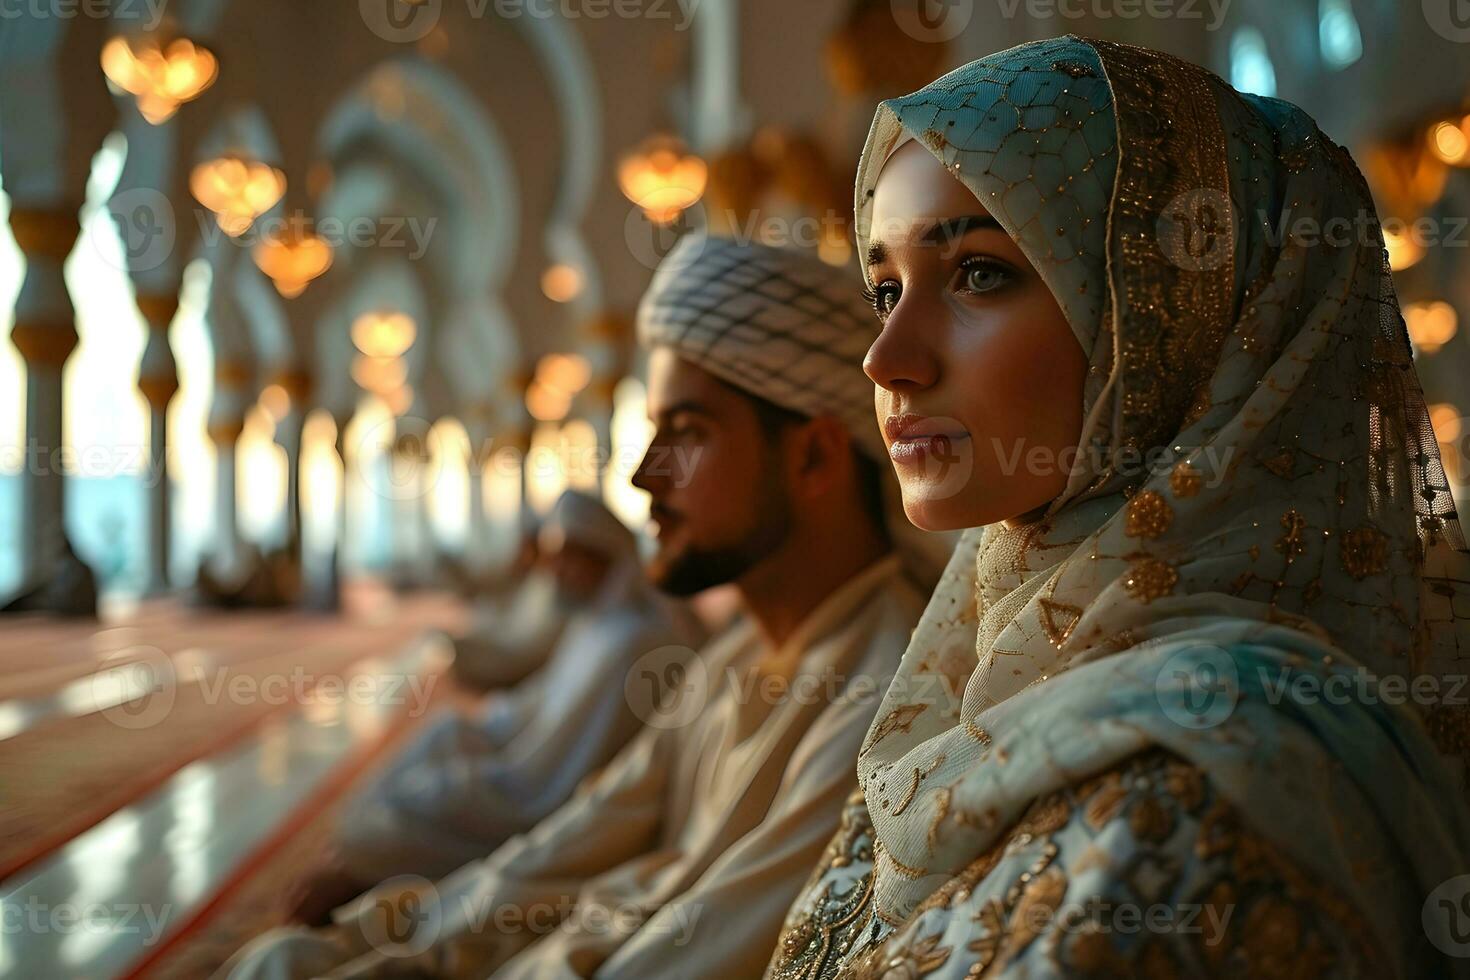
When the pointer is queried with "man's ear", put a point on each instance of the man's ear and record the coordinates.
(823, 451)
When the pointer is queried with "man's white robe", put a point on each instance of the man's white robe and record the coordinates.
(681, 858)
(513, 633)
(467, 784)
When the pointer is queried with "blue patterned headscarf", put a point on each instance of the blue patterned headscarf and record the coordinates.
(1032, 136)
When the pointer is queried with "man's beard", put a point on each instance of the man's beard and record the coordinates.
(697, 569)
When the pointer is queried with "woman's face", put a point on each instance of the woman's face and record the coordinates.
(979, 378)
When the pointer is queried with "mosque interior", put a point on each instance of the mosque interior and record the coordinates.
(311, 307)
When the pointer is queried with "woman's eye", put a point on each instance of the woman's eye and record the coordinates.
(885, 298)
(982, 276)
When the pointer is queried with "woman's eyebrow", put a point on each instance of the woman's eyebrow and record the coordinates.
(949, 229)
(942, 231)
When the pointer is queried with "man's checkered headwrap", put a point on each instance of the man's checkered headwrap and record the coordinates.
(775, 322)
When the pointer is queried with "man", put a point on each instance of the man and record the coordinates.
(517, 618)
(465, 785)
(680, 859)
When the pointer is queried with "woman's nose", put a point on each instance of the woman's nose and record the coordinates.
(902, 358)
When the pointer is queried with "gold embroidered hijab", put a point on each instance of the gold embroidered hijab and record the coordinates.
(1256, 449)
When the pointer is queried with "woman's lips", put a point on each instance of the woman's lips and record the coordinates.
(940, 448)
(912, 438)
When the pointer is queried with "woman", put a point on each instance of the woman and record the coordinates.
(1155, 719)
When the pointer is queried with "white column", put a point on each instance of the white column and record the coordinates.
(297, 383)
(478, 428)
(324, 589)
(45, 334)
(158, 380)
(226, 422)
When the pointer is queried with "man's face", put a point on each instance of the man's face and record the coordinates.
(717, 480)
(579, 570)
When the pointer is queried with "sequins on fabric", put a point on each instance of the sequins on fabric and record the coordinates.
(1149, 515)
(1150, 579)
(1056, 893)
(837, 904)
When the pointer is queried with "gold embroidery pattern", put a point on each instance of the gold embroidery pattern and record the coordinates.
(900, 719)
(1290, 544)
(1148, 515)
(943, 799)
(1185, 480)
(813, 942)
(1039, 898)
(1038, 888)
(1058, 619)
(1282, 924)
(918, 960)
(1364, 552)
(1074, 68)
(976, 732)
(1281, 464)
(1150, 578)
(907, 870)
(1177, 317)
(1268, 937)
(919, 776)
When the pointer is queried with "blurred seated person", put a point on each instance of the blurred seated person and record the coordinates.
(256, 580)
(467, 784)
(517, 618)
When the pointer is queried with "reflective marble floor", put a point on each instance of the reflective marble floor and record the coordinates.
(147, 774)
